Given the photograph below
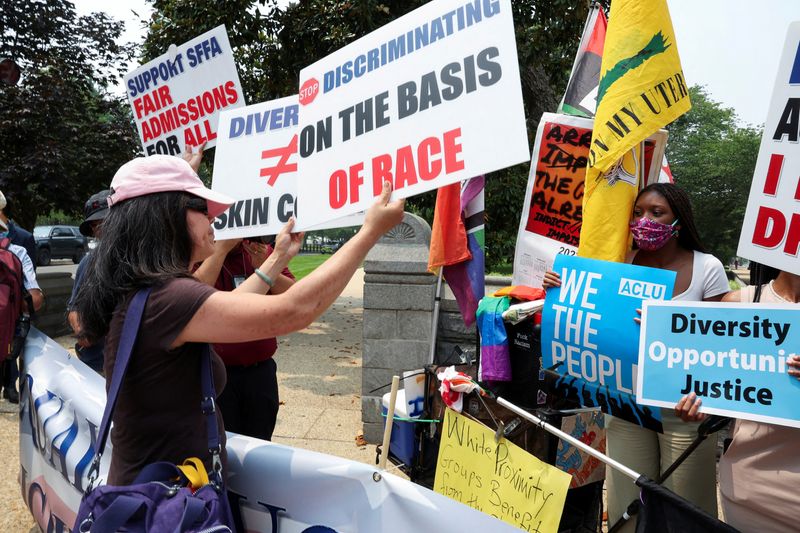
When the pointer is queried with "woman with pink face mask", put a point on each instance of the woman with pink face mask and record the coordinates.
(664, 235)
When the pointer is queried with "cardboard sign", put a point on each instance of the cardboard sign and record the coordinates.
(498, 478)
(430, 99)
(256, 165)
(588, 327)
(553, 210)
(589, 428)
(771, 227)
(733, 356)
(177, 97)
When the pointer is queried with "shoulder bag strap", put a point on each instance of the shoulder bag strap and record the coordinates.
(130, 328)
(209, 407)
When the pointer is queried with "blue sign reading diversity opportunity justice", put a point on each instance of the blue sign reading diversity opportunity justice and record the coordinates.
(732, 356)
(588, 326)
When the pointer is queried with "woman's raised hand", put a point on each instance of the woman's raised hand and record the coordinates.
(287, 244)
(384, 215)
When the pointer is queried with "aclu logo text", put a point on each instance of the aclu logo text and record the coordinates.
(642, 289)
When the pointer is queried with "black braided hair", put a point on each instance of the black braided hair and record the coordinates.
(680, 204)
(760, 275)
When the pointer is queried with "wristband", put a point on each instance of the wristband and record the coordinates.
(266, 279)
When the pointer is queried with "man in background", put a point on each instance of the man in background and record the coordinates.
(18, 236)
(94, 211)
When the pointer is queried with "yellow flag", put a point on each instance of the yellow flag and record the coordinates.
(641, 90)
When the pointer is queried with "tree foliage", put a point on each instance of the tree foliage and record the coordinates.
(272, 45)
(63, 136)
(713, 159)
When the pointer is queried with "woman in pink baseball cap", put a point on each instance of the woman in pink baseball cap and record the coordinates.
(158, 227)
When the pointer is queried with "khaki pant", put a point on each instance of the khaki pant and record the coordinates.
(649, 453)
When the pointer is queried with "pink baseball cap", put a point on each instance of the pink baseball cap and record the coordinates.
(163, 173)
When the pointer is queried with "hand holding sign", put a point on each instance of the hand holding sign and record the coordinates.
(384, 215)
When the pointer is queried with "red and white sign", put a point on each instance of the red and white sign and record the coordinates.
(430, 99)
(256, 165)
(177, 97)
(771, 228)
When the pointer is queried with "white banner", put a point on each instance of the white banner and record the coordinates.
(771, 227)
(430, 99)
(279, 488)
(176, 98)
(256, 165)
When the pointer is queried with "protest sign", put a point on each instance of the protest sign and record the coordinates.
(275, 487)
(498, 478)
(588, 327)
(771, 227)
(733, 356)
(176, 98)
(553, 209)
(256, 165)
(430, 99)
(589, 428)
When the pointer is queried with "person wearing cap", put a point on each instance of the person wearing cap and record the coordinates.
(159, 225)
(18, 236)
(9, 367)
(95, 210)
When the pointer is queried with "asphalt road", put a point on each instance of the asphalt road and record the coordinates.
(58, 265)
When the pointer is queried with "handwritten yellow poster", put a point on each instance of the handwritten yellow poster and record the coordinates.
(500, 479)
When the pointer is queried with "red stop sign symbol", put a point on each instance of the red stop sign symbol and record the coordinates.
(309, 91)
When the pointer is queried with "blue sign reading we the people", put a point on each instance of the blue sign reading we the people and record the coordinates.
(732, 356)
(588, 328)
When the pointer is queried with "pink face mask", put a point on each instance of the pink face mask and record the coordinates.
(651, 235)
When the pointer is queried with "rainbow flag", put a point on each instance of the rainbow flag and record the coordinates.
(457, 243)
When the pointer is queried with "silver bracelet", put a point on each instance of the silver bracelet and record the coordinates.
(266, 279)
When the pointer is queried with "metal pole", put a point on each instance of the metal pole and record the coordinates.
(569, 438)
(435, 325)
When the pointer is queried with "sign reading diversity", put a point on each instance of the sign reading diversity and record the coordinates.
(430, 99)
(588, 328)
(176, 98)
(256, 165)
(771, 228)
(732, 356)
(498, 478)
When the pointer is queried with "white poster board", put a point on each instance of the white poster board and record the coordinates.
(176, 98)
(430, 99)
(256, 165)
(771, 227)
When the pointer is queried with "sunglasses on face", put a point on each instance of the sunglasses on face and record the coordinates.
(197, 204)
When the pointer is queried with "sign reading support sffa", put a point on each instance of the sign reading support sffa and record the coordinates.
(256, 165)
(771, 228)
(177, 97)
(588, 327)
(732, 356)
(430, 99)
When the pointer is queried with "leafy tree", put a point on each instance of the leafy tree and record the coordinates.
(63, 136)
(713, 159)
(272, 45)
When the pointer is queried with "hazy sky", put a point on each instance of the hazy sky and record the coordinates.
(730, 46)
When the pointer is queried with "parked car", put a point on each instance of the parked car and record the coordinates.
(331, 247)
(59, 242)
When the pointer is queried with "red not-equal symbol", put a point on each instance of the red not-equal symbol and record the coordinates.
(272, 173)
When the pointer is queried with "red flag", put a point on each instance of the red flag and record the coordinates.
(448, 235)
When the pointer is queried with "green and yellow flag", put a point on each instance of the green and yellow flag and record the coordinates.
(641, 90)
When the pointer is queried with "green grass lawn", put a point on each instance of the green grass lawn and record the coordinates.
(303, 265)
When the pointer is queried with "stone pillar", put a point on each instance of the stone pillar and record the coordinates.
(398, 310)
